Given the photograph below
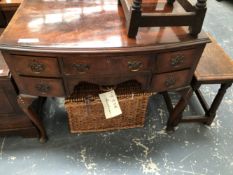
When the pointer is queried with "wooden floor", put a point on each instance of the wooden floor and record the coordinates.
(193, 149)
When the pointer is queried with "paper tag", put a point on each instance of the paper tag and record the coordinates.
(111, 104)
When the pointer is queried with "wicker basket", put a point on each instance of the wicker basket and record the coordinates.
(86, 113)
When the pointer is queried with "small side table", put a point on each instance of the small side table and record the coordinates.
(214, 67)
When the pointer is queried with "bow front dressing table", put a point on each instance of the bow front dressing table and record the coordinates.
(51, 46)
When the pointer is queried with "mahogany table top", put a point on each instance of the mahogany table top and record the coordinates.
(84, 26)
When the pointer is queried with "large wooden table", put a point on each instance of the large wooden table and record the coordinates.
(51, 46)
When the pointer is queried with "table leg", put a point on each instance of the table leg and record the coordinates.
(211, 113)
(25, 102)
(176, 114)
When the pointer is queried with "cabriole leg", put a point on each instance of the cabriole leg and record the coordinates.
(25, 102)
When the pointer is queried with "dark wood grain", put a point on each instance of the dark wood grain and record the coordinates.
(97, 26)
(74, 65)
(176, 60)
(171, 80)
(83, 41)
(34, 65)
(41, 87)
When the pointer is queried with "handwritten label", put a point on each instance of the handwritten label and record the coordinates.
(110, 104)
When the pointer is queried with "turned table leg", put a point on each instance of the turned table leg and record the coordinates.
(134, 20)
(25, 102)
(200, 10)
(176, 114)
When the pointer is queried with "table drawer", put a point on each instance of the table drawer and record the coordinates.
(167, 81)
(106, 65)
(175, 60)
(41, 86)
(34, 65)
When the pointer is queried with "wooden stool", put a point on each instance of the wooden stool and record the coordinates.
(144, 13)
(214, 67)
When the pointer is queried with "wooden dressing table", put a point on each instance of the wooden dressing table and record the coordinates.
(51, 46)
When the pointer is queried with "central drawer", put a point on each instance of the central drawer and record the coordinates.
(75, 65)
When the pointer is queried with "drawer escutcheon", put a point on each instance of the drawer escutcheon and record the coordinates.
(170, 81)
(134, 66)
(81, 68)
(177, 60)
(37, 67)
(43, 88)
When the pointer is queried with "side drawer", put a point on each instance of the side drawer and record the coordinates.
(41, 86)
(177, 60)
(33, 65)
(172, 80)
(74, 65)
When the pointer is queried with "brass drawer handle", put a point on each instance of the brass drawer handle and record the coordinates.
(134, 66)
(43, 88)
(170, 81)
(81, 68)
(37, 67)
(177, 60)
